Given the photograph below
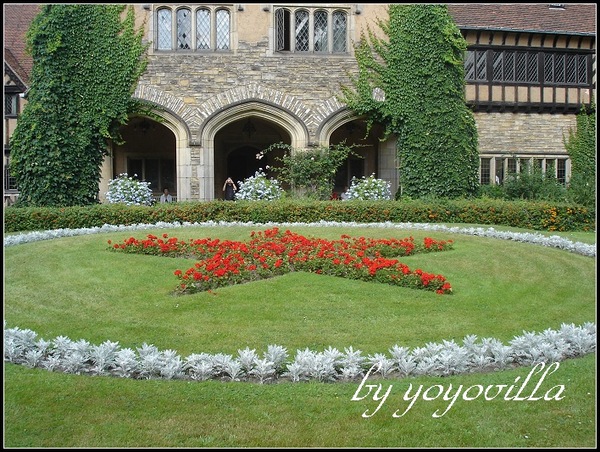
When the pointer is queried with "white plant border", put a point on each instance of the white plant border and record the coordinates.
(553, 241)
(21, 346)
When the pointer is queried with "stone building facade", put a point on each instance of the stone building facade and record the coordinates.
(228, 80)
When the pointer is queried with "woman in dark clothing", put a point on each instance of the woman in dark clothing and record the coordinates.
(229, 188)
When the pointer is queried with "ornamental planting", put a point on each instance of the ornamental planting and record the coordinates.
(274, 252)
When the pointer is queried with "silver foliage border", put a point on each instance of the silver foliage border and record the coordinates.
(553, 241)
(22, 346)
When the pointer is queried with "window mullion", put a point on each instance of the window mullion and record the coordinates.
(193, 43)
(293, 31)
(329, 32)
(213, 29)
(311, 32)
(174, 30)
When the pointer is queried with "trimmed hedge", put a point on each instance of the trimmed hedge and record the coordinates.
(540, 215)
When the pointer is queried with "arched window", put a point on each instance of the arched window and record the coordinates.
(320, 34)
(301, 31)
(203, 29)
(282, 30)
(340, 31)
(184, 28)
(222, 29)
(164, 36)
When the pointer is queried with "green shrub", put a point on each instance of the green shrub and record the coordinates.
(533, 183)
(537, 215)
(582, 190)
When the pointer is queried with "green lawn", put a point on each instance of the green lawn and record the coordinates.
(76, 288)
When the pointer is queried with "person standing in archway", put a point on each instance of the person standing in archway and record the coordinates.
(166, 196)
(229, 188)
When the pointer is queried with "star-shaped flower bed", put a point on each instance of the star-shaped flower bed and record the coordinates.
(273, 252)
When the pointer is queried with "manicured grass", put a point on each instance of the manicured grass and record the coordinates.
(44, 409)
(77, 288)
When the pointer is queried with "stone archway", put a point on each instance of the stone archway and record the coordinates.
(378, 157)
(147, 154)
(252, 126)
(237, 145)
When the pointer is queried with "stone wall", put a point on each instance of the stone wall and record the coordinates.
(523, 132)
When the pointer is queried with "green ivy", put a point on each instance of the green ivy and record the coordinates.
(87, 60)
(418, 64)
(581, 147)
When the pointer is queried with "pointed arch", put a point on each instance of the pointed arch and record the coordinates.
(282, 118)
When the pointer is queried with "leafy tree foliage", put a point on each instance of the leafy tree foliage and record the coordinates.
(311, 172)
(418, 66)
(87, 60)
(581, 147)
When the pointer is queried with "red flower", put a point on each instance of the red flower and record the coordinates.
(223, 259)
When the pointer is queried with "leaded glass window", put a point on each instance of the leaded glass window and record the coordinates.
(184, 28)
(582, 69)
(561, 170)
(484, 171)
(571, 68)
(222, 29)
(320, 35)
(10, 104)
(164, 38)
(203, 29)
(512, 66)
(10, 182)
(282, 25)
(339, 31)
(301, 31)
(521, 67)
(318, 31)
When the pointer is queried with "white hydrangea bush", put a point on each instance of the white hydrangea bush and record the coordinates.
(259, 187)
(127, 190)
(369, 189)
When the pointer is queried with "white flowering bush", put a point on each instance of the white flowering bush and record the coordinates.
(259, 187)
(127, 190)
(369, 189)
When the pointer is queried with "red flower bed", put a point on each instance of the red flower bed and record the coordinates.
(272, 252)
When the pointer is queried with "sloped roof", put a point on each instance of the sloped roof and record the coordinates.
(17, 18)
(571, 18)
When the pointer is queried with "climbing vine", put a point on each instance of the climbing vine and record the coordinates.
(417, 65)
(87, 60)
(581, 146)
